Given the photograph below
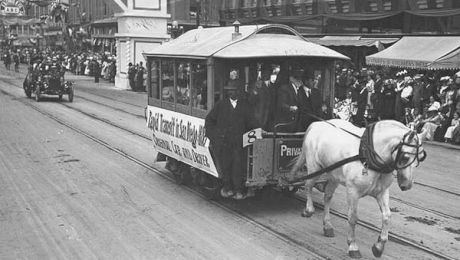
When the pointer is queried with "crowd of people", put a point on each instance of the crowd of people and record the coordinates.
(425, 102)
(97, 65)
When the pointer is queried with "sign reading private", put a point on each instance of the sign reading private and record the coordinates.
(181, 137)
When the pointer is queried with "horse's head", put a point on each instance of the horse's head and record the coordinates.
(409, 153)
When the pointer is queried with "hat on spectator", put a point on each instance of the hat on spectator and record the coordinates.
(408, 79)
(418, 76)
(445, 78)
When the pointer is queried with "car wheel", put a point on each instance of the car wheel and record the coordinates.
(37, 94)
(28, 92)
(70, 95)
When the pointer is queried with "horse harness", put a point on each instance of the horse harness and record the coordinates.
(369, 157)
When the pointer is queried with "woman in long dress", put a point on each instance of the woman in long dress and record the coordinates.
(431, 123)
(450, 130)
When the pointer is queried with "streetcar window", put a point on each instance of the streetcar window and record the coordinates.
(154, 79)
(199, 86)
(167, 77)
(183, 83)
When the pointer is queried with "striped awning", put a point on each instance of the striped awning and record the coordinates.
(429, 52)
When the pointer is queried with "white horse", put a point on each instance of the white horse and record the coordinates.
(326, 143)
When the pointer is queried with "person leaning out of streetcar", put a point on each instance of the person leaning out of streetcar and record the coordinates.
(225, 125)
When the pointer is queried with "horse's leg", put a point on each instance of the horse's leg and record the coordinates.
(352, 200)
(309, 208)
(383, 200)
(328, 229)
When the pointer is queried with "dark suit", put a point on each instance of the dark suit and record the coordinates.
(225, 127)
(287, 97)
(260, 99)
(310, 104)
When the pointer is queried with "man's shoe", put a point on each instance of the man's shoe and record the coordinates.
(238, 196)
(226, 193)
(250, 193)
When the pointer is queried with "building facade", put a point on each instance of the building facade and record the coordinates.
(328, 17)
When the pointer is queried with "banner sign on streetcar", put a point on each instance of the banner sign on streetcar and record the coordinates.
(181, 137)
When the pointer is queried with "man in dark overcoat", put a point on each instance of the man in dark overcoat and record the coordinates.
(260, 98)
(288, 103)
(310, 102)
(225, 125)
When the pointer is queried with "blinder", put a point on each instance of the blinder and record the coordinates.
(405, 159)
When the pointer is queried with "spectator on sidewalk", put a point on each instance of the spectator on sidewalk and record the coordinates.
(96, 70)
(132, 76)
(140, 77)
(16, 60)
(455, 124)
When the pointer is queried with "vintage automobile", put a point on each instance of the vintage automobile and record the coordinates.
(49, 80)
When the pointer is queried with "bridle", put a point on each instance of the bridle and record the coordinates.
(403, 161)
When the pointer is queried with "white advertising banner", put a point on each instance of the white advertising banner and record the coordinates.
(181, 137)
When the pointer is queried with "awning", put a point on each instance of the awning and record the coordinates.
(18, 21)
(52, 33)
(352, 41)
(110, 20)
(254, 41)
(429, 52)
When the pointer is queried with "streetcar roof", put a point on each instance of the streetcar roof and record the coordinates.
(255, 41)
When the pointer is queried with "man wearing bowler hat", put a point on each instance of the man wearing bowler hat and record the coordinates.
(225, 125)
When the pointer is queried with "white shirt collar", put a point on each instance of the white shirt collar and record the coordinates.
(234, 102)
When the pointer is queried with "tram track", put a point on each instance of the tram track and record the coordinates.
(394, 237)
(293, 242)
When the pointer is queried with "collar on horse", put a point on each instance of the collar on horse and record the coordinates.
(369, 156)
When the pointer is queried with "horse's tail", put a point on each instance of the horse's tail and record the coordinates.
(301, 159)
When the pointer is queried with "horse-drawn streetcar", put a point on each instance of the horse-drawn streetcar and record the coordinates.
(187, 79)
(187, 76)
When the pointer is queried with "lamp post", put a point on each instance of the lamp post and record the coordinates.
(175, 30)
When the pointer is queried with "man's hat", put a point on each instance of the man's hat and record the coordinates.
(418, 76)
(266, 71)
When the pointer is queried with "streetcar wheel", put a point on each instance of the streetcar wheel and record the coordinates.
(37, 94)
(70, 95)
(28, 92)
(182, 176)
(211, 187)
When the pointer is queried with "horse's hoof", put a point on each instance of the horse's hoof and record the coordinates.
(328, 232)
(376, 251)
(355, 254)
(307, 214)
